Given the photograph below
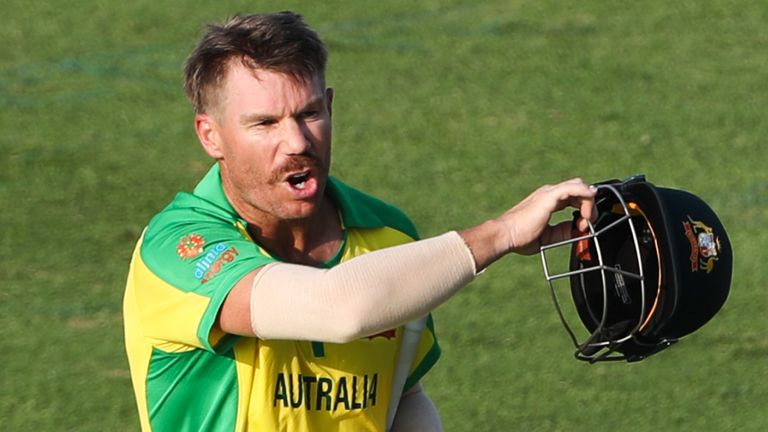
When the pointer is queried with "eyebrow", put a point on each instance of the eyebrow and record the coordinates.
(260, 117)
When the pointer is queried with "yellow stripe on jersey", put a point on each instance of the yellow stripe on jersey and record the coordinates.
(167, 313)
(362, 241)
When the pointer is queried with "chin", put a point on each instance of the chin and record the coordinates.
(300, 211)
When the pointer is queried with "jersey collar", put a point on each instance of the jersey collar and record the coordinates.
(211, 190)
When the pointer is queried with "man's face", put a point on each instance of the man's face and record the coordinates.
(271, 134)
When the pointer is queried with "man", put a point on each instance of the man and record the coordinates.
(273, 296)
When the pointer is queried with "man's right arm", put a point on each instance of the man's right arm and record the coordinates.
(388, 287)
(363, 296)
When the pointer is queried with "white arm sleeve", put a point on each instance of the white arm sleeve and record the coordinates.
(363, 296)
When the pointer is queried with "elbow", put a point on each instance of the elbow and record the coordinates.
(350, 317)
(347, 329)
(354, 321)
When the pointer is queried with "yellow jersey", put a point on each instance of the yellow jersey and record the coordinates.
(190, 376)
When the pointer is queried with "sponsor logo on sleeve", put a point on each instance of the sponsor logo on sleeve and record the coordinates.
(210, 263)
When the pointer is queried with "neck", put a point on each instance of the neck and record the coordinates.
(310, 241)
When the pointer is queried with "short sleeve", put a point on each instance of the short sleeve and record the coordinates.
(188, 262)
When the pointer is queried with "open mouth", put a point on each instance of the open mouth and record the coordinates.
(299, 180)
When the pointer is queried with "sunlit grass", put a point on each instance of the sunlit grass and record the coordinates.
(451, 110)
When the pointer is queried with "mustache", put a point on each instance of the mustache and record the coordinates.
(296, 163)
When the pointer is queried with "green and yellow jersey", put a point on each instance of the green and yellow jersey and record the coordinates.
(188, 375)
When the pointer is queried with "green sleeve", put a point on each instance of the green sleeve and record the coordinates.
(198, 251)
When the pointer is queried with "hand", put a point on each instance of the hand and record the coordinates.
(527, 223)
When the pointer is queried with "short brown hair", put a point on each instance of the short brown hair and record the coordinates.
(279, 42)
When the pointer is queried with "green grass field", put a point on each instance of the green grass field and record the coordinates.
(452, 110)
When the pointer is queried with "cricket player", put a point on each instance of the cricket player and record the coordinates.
(273, 297)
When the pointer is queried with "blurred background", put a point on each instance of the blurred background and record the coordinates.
(451, 110)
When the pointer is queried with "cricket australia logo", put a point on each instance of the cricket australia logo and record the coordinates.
(705, 245)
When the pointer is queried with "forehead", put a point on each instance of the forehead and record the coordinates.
(267, 89)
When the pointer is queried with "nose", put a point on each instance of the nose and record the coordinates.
(296, 137)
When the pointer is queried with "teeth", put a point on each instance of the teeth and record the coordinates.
(299, 181)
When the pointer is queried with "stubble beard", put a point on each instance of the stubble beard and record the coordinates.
(290, 210)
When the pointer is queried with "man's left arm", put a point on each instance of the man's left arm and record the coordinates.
(416, 412)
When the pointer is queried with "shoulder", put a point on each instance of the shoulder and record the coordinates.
(192, 240)
(187, 213)
(362, 210)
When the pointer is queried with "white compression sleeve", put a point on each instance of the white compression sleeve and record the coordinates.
(363, 296)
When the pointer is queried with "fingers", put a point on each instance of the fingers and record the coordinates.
(582, 197)
(588, 213)
(528, 222)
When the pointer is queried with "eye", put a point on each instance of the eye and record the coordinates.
(264, 123)
(310, 114)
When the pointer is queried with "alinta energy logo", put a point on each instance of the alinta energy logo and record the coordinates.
(209, 264)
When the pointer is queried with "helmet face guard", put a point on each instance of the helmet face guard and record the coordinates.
(655, 266)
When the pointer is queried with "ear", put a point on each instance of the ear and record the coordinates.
(329, 100)
(207, 132)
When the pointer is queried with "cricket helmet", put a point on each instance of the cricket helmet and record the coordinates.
(655, 266)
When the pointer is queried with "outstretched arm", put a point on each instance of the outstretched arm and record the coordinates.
(388, 287)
